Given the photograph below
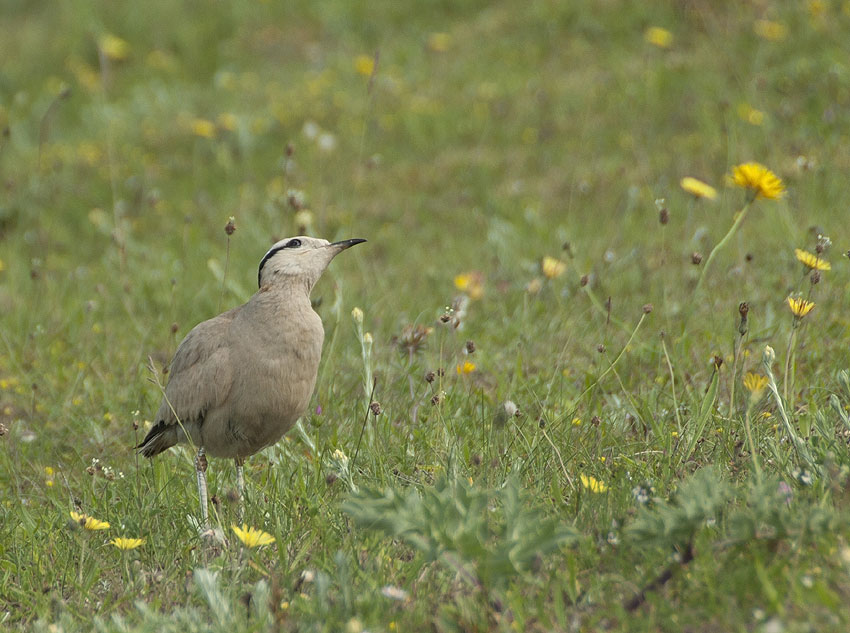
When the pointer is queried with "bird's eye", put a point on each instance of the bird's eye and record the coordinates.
(293, 243)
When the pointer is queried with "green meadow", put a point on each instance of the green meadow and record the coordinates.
(561, 389)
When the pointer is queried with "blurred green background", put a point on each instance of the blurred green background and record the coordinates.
(458, 138)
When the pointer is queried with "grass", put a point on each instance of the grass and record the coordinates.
(593, 471)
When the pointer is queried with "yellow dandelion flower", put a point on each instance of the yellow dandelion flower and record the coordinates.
(364, 65)
(552, 267)
(439, 42)
(114, 47)
(227, 121)
(751, 115)
(472, 283)
(124, 544)
(810, 261)
(799, 306)
(697, 188)
(592, 483)
(760, 179)
(203, 128)
(48, 470)
(770, 30)
(658, 36)
(465, 368)
(252, 537)
(755, 384)
(90, 523)
(674, 434)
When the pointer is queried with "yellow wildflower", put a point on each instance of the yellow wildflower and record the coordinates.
(576, 421)
(750, 114)
(674, 434)
(697, 188)
(810, 261)
(472, 283)
(124, 544)
(227, 121)
(364, 65)
(759, 179)
(252, 537)
(755, 384)
(592, 483)
(439, 42)
(465, 368)
(90, 523)
(48, 470)
(114, 48)
(800, 307)
(552, 267)
(770, 30)
(657, 36)
(203, 128)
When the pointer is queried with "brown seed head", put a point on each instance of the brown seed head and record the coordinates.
(375, 408)
(470, 347)
(230, 227)
(647, 308)
(696, 258)
(815, 277)
(174, 328)
(584, 279)
(743, 310)
(749, 257)
(664, 216)
(718, 361)
(596, 420)
(600, 348)
(429, 376)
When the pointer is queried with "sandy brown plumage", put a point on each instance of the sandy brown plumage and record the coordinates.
(240, 380)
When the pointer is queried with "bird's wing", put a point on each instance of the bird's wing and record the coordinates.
(201, 372)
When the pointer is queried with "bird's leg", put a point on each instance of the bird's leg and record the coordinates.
(201, 470)
(240, 487)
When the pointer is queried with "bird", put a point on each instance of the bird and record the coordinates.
(239, 381)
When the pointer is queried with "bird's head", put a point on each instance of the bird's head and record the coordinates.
(299, 259)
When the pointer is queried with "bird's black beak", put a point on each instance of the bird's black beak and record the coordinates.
(342, 245)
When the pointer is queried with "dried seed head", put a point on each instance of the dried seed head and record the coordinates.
(174, 327)
(3, 429)
(815, 277)
(412, 338)
(696, 258)
(600, 348)
(823, 244)
(541, 423)
(743, 310)
(441, 371)
(375, 408)
(445, 317)
(718, 361)
(584, 279)
(429, 376)
(647, 308)
(470, 347)
(749, 257)
(664, 216)
(437, 398)
(596, 420)
(330, 479)
(230, 227)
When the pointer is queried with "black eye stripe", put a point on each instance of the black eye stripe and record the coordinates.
(295, 243)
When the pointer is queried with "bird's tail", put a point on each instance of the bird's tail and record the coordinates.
(161, 437)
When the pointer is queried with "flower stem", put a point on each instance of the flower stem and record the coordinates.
(738, 221)
(789, 363)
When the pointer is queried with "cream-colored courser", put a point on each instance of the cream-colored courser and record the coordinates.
(241, 380)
